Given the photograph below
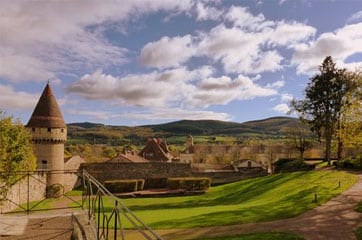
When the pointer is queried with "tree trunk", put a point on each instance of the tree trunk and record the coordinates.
(340, 149)
(328, 148)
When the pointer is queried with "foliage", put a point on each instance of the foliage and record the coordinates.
(189, 183)
(351, 163)
(128, 185)
(258, 236)
(261, 199)
(16, 153)
(291, 165)
(301, 138)
(359, 233)
(324, 100)
(351, 125)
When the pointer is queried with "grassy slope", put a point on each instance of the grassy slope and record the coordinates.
(261, 199)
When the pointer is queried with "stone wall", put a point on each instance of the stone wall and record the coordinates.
(18, 194)
(111, 171)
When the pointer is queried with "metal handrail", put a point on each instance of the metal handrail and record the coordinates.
(93, 195)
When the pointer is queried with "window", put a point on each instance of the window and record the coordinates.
(49, 129)
(44, 162)
(249, 163)
(33, 129)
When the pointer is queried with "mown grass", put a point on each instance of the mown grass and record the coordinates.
(258, 236)
(261, 199)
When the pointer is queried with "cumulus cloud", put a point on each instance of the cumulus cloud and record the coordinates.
(16, 100)
(177, 113)
(167, 52)
(341, 44)
(356, 17)
(222, 90)
(205, 12)
(282, 108)
(177, 87)
(65, 34)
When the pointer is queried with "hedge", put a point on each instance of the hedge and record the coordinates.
(128, 185)
(189, 183)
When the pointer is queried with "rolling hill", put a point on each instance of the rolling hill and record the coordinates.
(94, 132)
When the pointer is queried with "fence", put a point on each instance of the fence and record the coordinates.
(30, 190)
(110, 215)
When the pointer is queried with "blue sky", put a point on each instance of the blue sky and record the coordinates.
(140, 62)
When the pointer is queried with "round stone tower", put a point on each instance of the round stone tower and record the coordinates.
(49, 133)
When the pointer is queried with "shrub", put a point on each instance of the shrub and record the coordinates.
(152, 183)
(128, 185)
(291, 165)
(351, 163)
(189, 183)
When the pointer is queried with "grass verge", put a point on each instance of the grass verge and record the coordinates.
(254, 200)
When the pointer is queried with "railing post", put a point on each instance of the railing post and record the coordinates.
(28, 194)
(115, 220)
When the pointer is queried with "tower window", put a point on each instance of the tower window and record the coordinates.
(62, 130)
(33, 129)
(44, 162)
(49, 129)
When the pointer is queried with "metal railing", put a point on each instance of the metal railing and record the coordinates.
(109, 219)
(25, 180)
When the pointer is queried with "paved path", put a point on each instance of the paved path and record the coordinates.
(36, 227)
(335, 219)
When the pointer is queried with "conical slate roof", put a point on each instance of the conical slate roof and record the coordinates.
(47, 113)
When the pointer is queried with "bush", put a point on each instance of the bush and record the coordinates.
(291, 165)
(121, 186)
(351, 163)
(152, 183)
(189, 183)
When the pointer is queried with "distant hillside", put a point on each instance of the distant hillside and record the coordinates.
(119, 135)
(270, 126)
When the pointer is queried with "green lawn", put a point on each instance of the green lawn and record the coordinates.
(261, 199)
(258, 236)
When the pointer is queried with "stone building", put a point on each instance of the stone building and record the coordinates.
(156, 149)
(49, 133)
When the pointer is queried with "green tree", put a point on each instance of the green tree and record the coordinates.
(324, 101)
(301, 138)
(16, 153)
(351, 121)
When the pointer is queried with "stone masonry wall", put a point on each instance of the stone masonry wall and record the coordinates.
(18, 194)
(111, 171)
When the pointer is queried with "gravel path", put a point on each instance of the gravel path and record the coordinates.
(335, 219)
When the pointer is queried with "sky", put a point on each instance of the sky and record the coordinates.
(137, 62)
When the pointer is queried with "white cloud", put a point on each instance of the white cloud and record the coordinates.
(286, 97)
(282, 108)
(176, 114)
(207, 12)
(167, 52)
(356, 17)
(64, 35)
(242, 18)
(341, 44)
(223, 90)
(13, 100)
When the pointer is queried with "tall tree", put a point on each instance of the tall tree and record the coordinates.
(16, 153)
(324, 100)
(351, 122)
